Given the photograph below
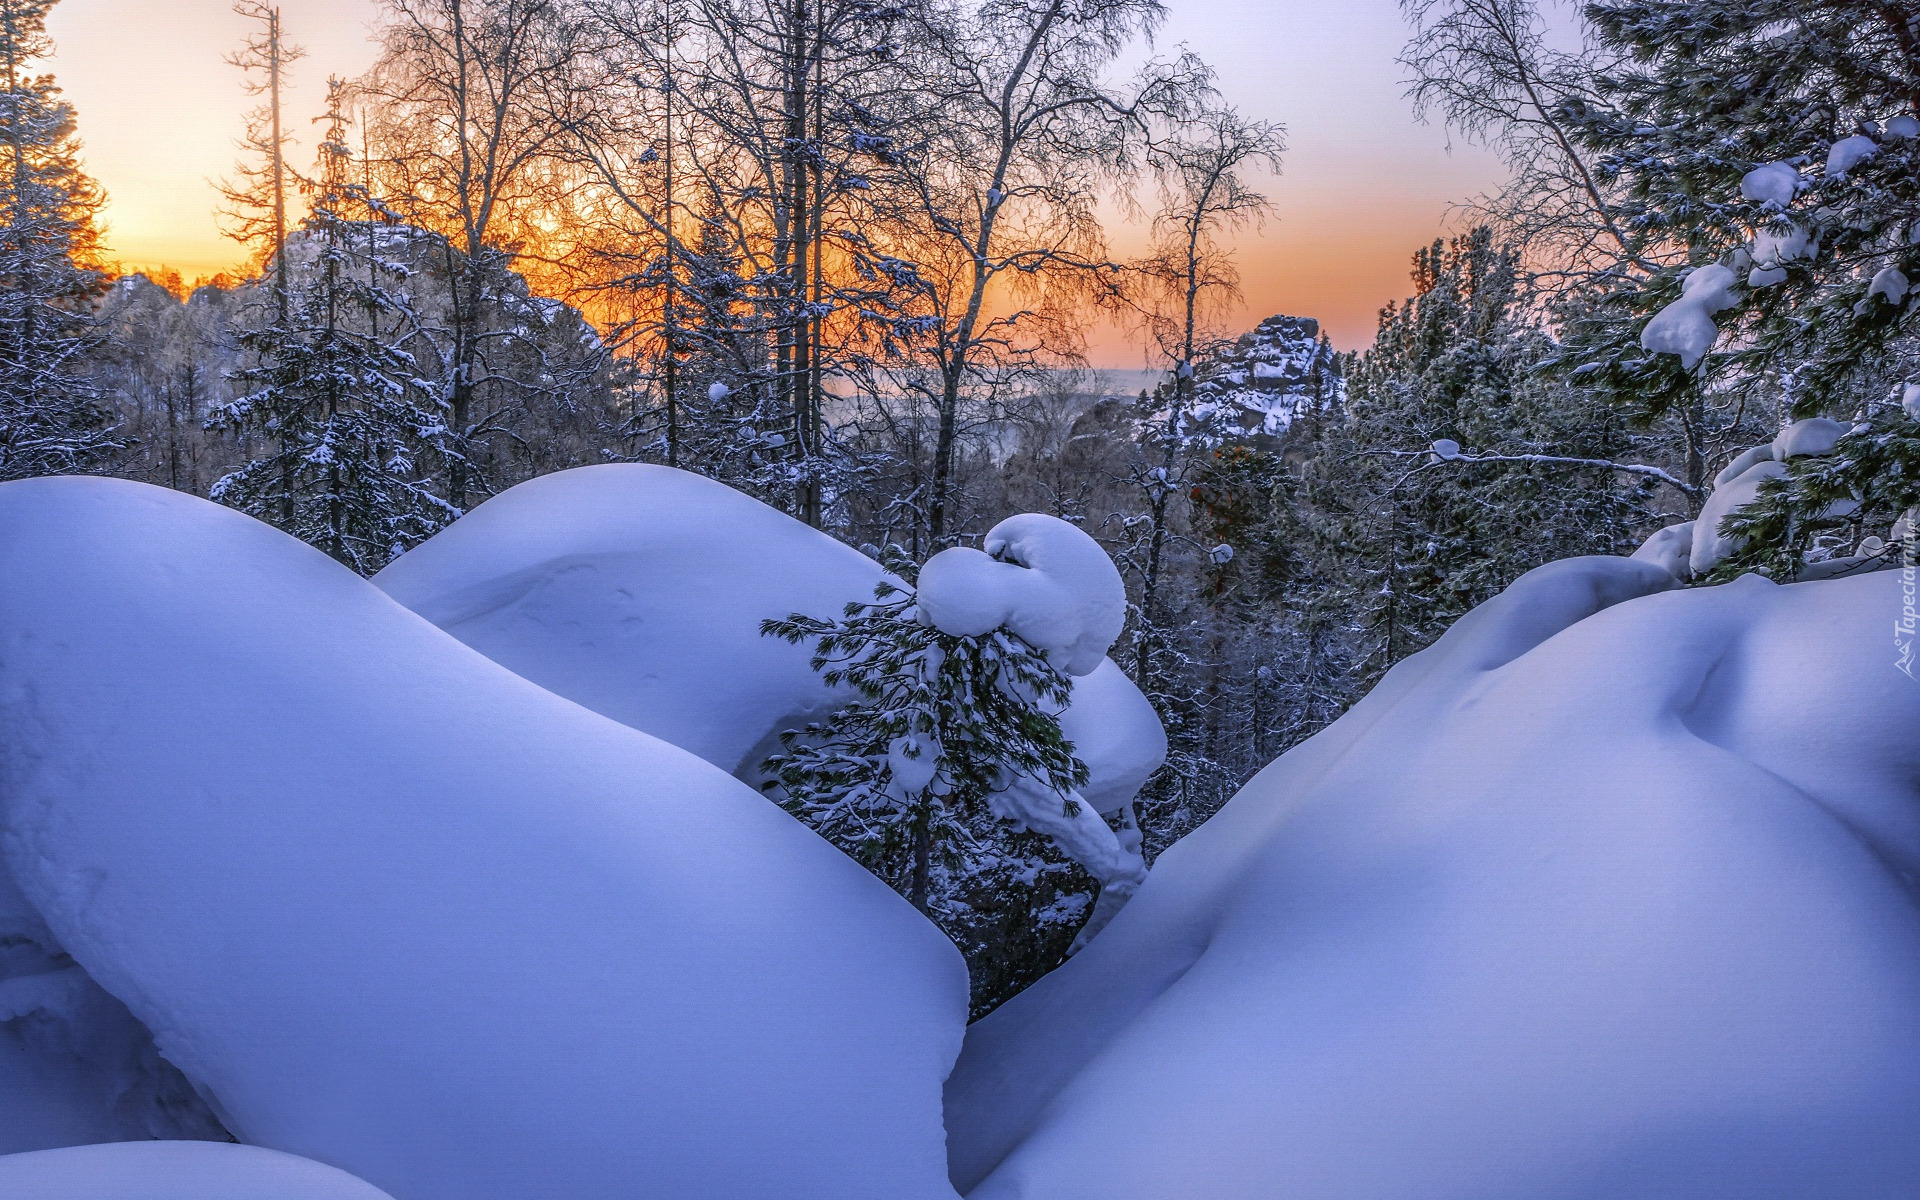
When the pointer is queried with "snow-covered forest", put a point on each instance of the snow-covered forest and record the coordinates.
(630, 652)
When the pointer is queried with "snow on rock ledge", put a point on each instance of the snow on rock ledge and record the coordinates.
(638, 591)
(395, 908)
(175, 1171)
(1038, 576)
(1576, 904)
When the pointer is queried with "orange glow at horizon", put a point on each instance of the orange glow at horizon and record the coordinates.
(1363, 184)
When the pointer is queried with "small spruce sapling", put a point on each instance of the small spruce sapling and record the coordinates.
(901, 777)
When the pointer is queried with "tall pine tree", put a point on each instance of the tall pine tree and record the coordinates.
(350, 437)
(51, 419)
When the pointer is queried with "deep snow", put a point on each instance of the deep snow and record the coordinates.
(396, 909)
(1606, 894)
(174, 1171)
(639, 591)
(1609, 893)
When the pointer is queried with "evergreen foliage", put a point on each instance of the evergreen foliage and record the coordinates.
(51, 417)
(1708, 91)
(1399, 543)
(903, 778)
(349, 437)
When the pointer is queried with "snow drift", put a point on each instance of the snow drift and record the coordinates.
(638, 591)
(394, 908)
(1606, 894)
(174, 1171)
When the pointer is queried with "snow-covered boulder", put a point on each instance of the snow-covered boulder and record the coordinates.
(1671, 548)
(395, 908)
(638, 591)
(175, 1171)
(75, 1066)
(1603, 895)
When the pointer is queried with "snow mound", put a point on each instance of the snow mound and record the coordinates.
(1710, 546)
(1038, 576)
(1602, 895)
(175, 1171)
(395, 908)
(1848, 153)
(1772, 183)
(1670, 548)
(638, 591)
(1111, 724)
(1685, 327)
(75, 1066)
(1744, 462)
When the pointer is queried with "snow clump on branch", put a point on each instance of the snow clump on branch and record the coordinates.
(1848, 153)
(1772, 183)
(1686, 326)
(1038, 576)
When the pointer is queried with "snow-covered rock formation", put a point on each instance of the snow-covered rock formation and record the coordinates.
(638, 591)
(394, 908)
(1608, 893)
(1255, 386)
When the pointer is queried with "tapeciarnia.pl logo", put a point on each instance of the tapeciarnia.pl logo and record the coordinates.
(1903, 628)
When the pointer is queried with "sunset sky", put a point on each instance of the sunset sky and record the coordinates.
(1364, 184)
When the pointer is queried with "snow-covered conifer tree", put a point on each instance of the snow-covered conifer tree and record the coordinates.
(51, 421)
(1388, 538)
(1768, 156)
(348, 433)
(901, 777)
